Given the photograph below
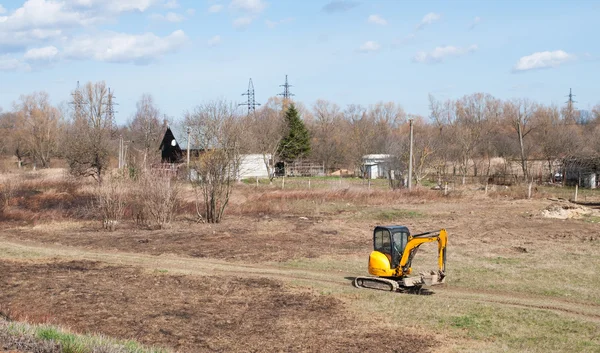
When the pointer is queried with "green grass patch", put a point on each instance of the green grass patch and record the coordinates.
(7, 252)
(502, 260)
(396, 215)
(592, 219)
(71, 342)
(494, 327)
(357, 266)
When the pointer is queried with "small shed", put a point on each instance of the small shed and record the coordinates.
(253, 166)
(584, 172)
(376, 166)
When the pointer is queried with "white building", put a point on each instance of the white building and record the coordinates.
(376, 165)
(253, 166)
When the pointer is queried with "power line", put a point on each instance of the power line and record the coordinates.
(251, 102)
(286, 89)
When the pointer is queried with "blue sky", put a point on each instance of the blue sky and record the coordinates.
(186, 52)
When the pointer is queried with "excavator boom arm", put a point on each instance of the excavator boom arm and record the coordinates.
(414, 241)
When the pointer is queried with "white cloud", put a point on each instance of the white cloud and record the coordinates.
(441, 53)
(171, 4)
(428, 19)
(191, 12)
(242, 22)
(169, 17)
(8, 63)
(369, 46)
(252, 6)
(215, 8)
(114, 5)
(376, 19)
(214, 41)
(64, 14)
(273, 24)
(41, 54)
(2, 9)
(475, 22)
(543, 59)
(122, 47)
(42, 14)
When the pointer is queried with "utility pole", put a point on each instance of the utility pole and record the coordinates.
(251, 101)
(121, 153)
(188, 148)
(410, 156)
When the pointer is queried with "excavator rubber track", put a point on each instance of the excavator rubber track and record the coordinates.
(376, 283)
(389, 285)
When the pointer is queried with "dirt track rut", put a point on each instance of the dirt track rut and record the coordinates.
(207, 267)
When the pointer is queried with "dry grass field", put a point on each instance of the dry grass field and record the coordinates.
(275, 275)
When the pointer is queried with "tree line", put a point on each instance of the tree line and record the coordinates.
(456, 132)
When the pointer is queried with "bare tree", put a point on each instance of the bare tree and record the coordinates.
(550, 135)
(37, 125)
(596, 113)
(467, 122)
(519, 112)
(146, 128)
(360, 135)
(327, 134)
(12, 142)
(426, 145)
(92, 127)
(216, 130)
(264, 131)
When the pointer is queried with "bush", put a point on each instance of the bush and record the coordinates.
(158, 195)
(7, 192)
(110, 201)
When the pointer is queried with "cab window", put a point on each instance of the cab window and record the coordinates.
(382, 241)
(400, 239)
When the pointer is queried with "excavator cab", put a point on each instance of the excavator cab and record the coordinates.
(393, 250)
(391, 241)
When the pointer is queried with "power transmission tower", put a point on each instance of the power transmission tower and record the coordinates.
(570, 105)
(571, 95)
(110, 107)
(251, 102)
(286, 89)
(77, 102)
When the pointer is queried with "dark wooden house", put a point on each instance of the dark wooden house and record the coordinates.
(169, 148)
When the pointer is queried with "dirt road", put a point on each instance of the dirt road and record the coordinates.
(174, 264)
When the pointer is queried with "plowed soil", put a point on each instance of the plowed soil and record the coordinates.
(189, 313)
(238, 238)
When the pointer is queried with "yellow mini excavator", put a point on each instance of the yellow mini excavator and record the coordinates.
(393, 251)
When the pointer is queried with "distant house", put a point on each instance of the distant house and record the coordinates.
(376, 166)
(169, 148)
(250, 165)
(584, 172)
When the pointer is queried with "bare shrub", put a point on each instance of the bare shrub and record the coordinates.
(110, 201)
(216, 130)
(159, 196)
(7, 192)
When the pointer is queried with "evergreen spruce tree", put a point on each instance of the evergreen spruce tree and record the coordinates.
(296, 144)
